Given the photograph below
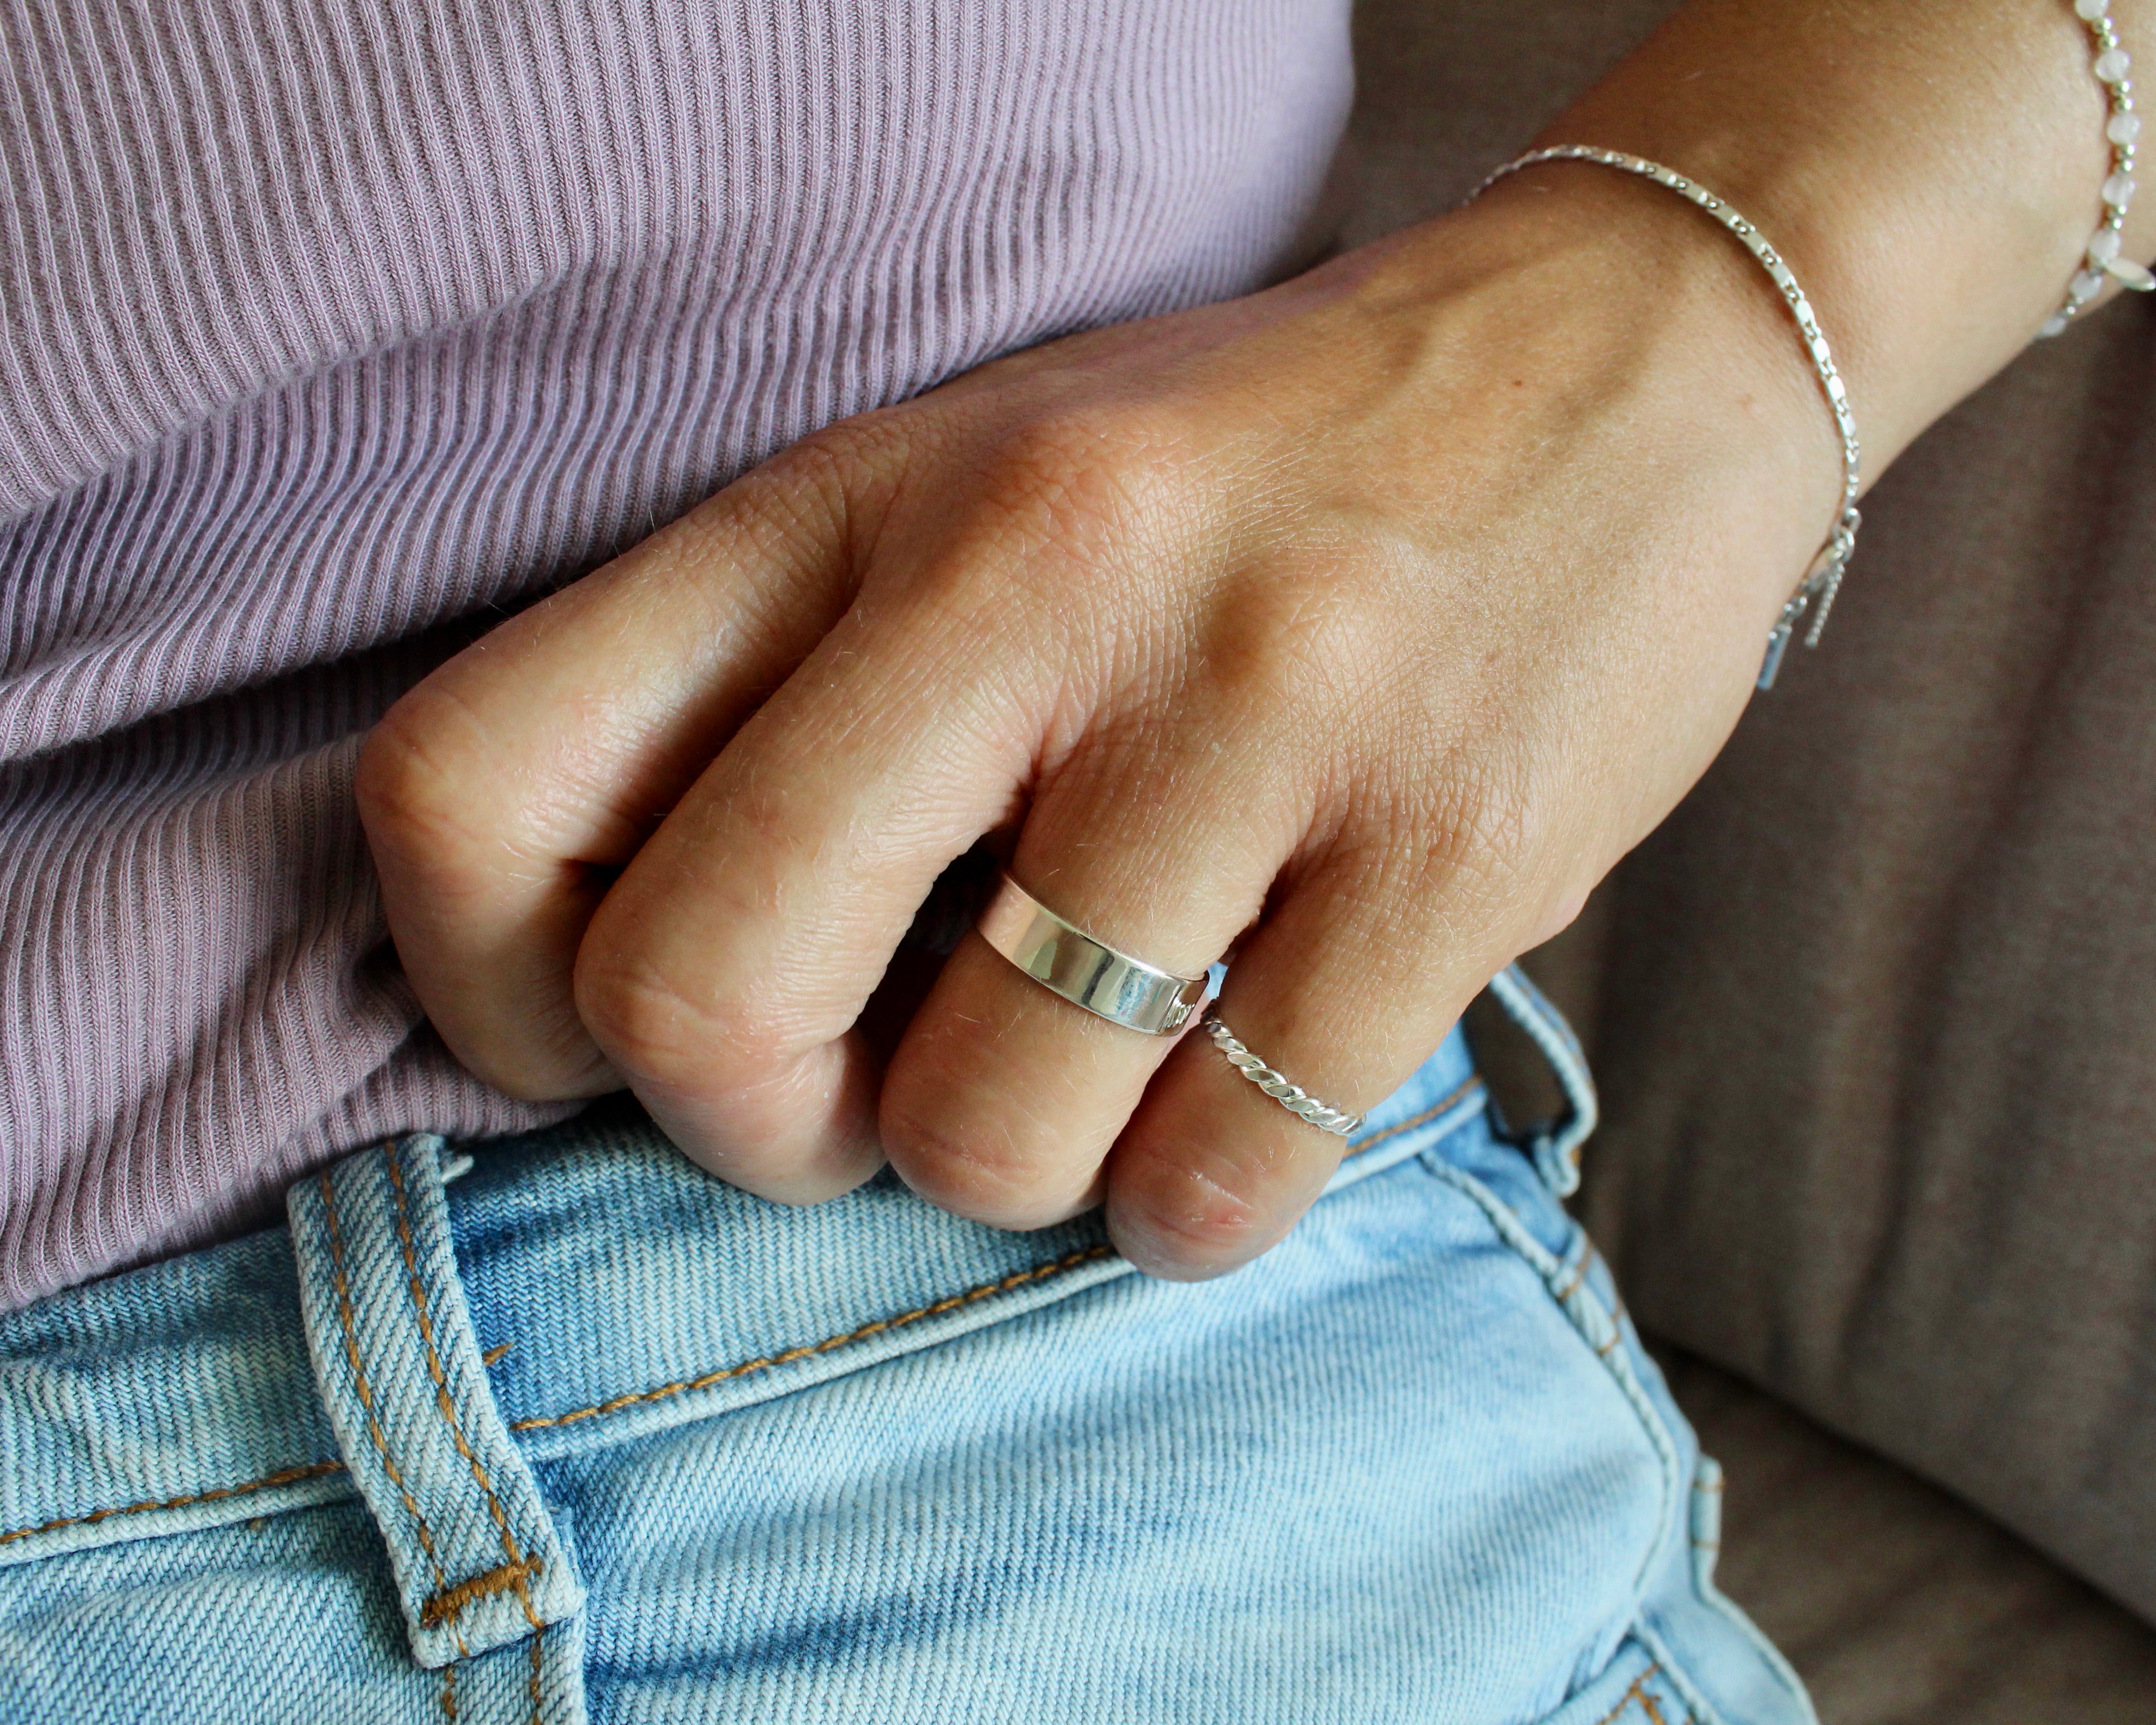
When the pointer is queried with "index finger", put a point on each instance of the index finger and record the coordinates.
(500, 794)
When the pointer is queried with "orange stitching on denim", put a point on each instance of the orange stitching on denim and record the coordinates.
(535, 1640)
(441, 1609)
(450, 1691)
(366, 1395)
(444, 1405)
(316, 1470)
(1637, 1693)
(283, 1477)
(1579, 1275)
(1039, 1272)
(1424, 1118)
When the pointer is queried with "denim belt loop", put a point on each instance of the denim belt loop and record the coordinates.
(1554, 1147)
(478, 1563)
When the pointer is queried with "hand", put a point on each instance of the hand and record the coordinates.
(1363, 624)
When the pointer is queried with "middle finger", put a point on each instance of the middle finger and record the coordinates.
(1004, 1098)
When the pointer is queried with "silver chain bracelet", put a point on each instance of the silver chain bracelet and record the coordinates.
(1823, 580)
(2105, 258)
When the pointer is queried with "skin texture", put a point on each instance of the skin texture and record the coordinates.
(1361, 624)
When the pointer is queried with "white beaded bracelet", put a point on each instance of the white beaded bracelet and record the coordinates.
(1823, 580)
(2105, 258)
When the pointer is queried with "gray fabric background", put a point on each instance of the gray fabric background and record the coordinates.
(1899, 1605)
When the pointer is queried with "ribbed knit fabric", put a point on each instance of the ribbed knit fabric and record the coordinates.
(330, 329)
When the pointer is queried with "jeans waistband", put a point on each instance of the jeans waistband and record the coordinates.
(420, 1335)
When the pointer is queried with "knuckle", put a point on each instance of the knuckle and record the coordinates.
(541, 1075)
(525, 1037)
(652, 1028)
(423, 784)
(950, 1171)
(1171, 1216)
(1074, 477)
(805, 492)
(779, 525)
(968, 1161)
(1313, 632)
(849, 455)
(1493, 823)
(630, 1013)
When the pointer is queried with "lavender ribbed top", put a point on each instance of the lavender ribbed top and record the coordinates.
(330, 329)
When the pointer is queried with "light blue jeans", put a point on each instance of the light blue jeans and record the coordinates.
(562, 1429)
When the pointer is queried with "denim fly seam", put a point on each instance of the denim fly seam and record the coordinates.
(1692, 1626)
(476, 1559)
(1579, 1284)
(1692, 1634)
(1685, 1622)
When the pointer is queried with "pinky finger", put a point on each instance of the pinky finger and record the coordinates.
(1340, 995)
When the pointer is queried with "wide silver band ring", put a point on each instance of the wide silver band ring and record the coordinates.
(1086, 972)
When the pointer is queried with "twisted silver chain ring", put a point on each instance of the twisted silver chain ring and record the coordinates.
(1289, 1095)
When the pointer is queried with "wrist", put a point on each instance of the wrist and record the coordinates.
(1928, 167)
(1640, 322)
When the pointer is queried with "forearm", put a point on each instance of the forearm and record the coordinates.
(1929, 167)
